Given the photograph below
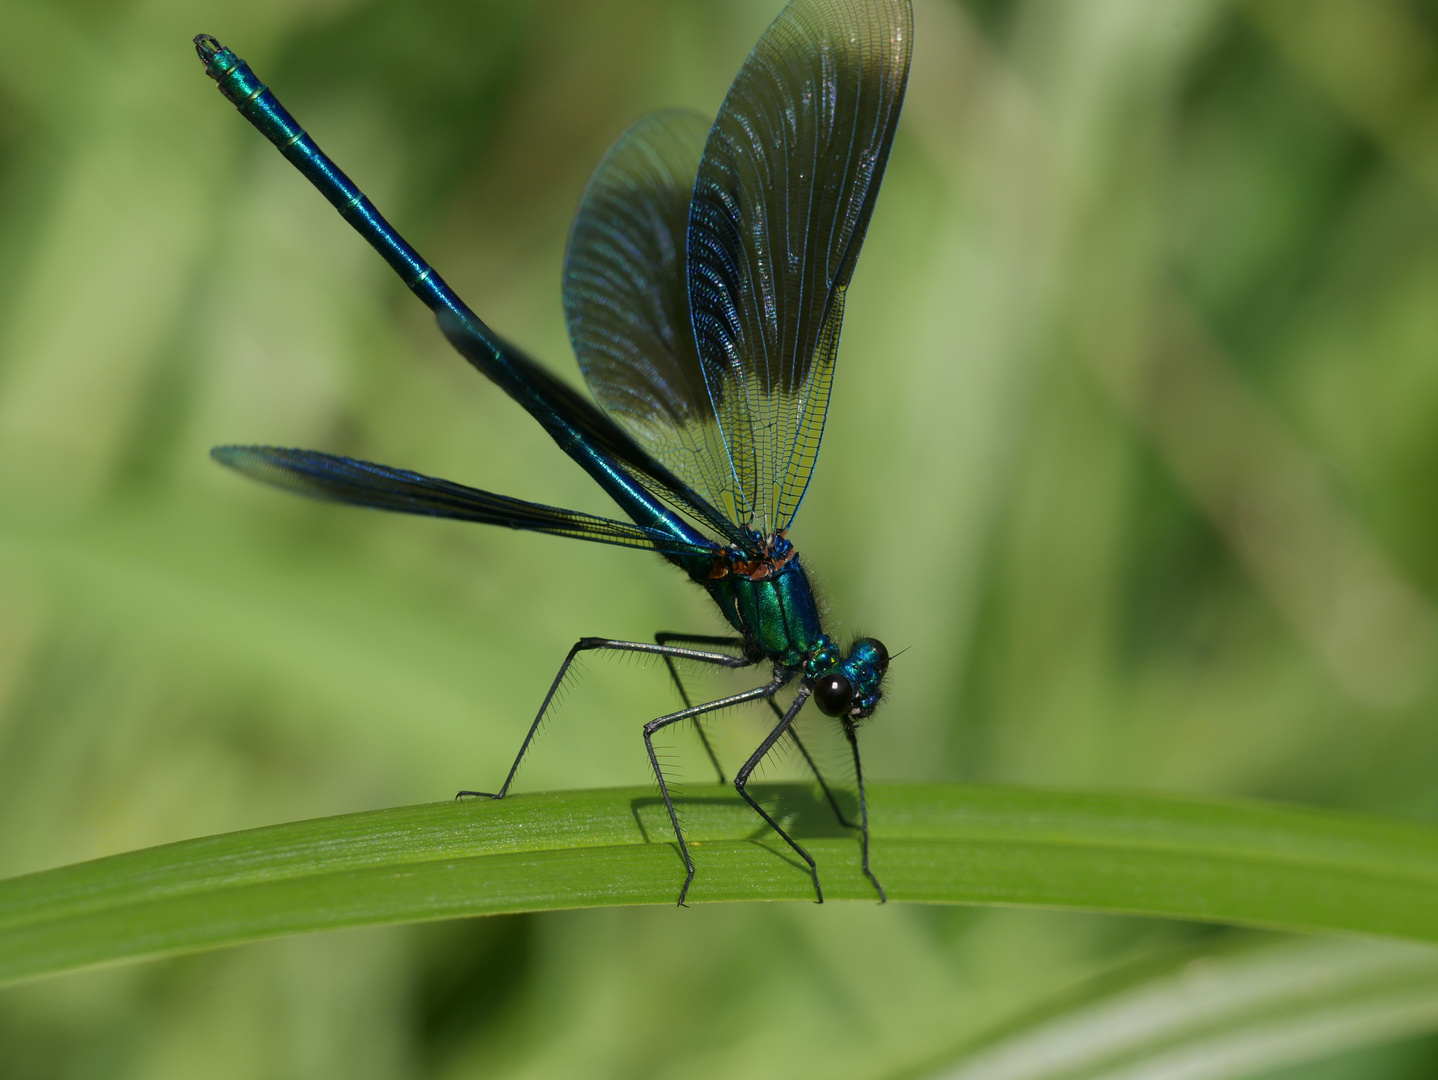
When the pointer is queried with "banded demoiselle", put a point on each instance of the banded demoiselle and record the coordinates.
(704, 289)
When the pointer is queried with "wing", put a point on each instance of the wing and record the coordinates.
(782, 198)
(627, 305)
(566, 414)
(363, 483)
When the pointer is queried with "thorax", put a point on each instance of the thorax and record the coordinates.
(771, 603)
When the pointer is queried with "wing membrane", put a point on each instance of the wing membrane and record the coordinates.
(627, 305)
(382, 487)
(781, 201)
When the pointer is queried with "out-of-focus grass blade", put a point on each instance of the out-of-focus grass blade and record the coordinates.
(1254, 864)
(1223, 1017)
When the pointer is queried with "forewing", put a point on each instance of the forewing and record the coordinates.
(382, 487)
(627, 305)
(782, 198)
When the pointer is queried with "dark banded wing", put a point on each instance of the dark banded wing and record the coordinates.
(382, 487)
(782, 199)
(626, 300)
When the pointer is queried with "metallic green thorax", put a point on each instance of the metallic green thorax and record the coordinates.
(777, 615)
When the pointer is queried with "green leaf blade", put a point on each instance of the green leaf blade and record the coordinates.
(1251, 864)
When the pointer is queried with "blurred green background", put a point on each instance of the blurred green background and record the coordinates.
(1133, 448)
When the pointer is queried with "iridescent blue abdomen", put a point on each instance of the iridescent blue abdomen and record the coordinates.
(777, 615)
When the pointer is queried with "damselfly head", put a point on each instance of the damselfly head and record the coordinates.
(854, 687)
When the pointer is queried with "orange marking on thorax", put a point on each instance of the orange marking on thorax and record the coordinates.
(762, 566)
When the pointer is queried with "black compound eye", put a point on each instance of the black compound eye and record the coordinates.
(880, 659)
(834, 694)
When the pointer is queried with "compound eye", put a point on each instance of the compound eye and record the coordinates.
(880, 661)
(834, 693)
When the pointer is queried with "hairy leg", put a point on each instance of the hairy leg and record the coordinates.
(665, 637)
(603, 644)
(863, 811)
(741, 782)
(769, 690)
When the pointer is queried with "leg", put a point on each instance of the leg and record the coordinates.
(863, 811)
(742, 779)
(773, 687)
(588, 645)
(813, 768)
(664, 637)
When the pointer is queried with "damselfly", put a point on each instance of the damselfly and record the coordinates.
(704, 292)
